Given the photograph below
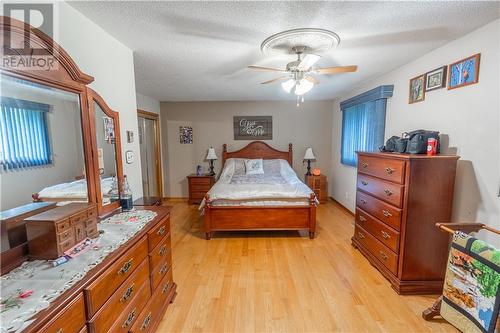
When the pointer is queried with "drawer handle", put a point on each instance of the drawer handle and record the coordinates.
(126, 267)
(127, 294)
(386, 213)
(361, 235)
(161, 231)
(388, 192)
(364, 165)
(165, 287)
(364, 183)
(162, 251)
(362, 218)
(383, 255)
(164, 269)
(130, 318)
(59, 330)
(389, 171)
(363, 201)
(385, 234)
(146, 322)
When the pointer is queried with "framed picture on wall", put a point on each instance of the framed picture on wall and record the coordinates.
(185, 134)
(253, 127)
(464, 72)
(417, 89)
(435, 79)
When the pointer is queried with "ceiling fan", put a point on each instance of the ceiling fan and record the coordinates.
(299, 73)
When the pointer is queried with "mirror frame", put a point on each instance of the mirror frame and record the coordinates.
(66, 76)
(92, 97)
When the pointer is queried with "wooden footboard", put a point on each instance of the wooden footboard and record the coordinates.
(231, 218)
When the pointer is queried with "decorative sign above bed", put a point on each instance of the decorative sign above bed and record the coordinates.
(253, 127)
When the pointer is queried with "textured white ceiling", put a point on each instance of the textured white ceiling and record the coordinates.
(198, 51)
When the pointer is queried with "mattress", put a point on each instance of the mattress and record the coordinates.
(73, 190)
(278, 186)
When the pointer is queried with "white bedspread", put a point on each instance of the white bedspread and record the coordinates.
(73, 190)
(279, 181)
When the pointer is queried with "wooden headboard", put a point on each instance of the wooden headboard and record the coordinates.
(258, 149)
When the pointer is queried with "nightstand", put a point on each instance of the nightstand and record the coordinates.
(319, 185)
(198, 187)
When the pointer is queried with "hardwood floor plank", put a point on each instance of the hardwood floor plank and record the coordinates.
(283, 282)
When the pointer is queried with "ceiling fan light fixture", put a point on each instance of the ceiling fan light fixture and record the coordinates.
(308, 61)
(303, 86)
(288, 85)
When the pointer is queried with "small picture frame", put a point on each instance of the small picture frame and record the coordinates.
(417, 89)
(185, 135)
(464, 72)
(435, 79)
(130, 136)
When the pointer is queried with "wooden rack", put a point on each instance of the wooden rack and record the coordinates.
(451, 228)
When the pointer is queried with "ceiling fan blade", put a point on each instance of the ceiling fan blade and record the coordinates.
(312, 79)
(267, 69)
(274, 80)
(308, 61)
(336, 70)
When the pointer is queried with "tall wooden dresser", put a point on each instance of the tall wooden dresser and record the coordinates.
(399, 199)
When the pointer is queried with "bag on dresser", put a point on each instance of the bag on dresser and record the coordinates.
(395, 144)
(417, 141)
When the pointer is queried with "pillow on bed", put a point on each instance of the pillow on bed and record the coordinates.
(272, 167)
(254, 167)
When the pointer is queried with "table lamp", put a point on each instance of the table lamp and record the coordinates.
(211, 156)
(309, 156)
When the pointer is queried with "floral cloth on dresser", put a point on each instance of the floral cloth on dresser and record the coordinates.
(471, 297)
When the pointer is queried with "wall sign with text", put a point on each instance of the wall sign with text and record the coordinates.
(253, 127)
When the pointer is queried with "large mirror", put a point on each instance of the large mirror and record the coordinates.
(41, 144)
(106, 144)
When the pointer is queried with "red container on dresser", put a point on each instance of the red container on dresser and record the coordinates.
(399, 199)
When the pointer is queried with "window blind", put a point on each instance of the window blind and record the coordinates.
(363, 123)
(24, 139)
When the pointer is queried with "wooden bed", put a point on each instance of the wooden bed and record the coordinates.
(231, 218)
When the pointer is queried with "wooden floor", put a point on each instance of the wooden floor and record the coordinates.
(283, 282)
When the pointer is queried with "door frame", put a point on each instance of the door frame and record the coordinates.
(156, 118)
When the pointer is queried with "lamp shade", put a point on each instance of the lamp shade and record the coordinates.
(211, 154)
(309, 155)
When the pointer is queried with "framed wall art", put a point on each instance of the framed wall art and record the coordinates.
(417, 89)
(464, 72)
(253, 127)
(185, 135)
(435, 79)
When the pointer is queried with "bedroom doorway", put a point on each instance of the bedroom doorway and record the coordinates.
(149, 143)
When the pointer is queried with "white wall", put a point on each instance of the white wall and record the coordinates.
(147, 103)
(212, 122)
(111, 64)
(469, 116)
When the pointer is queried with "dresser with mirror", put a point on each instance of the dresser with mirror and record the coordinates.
(60, 147)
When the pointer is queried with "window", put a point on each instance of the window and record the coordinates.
(24, 140)
(363, 123)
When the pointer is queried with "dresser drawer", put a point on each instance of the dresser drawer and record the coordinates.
(385, 168)
(160, 271)
(90, 222)
(389, 192)
(381, 210)
(207, 181)
(160, 252)
(388, 236)
(122, 297)
(158, 232)
(71, 319)
(80, 233)
(125, 321)
(78, 218)
(62, 226)
(377, 249)
(92, 212)
(104, 286)
(198, 195)
(153, 312)
(92, 231)
(200, 187)
(65, 235)
(65, 246)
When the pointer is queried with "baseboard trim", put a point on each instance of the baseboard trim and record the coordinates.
(344, 208)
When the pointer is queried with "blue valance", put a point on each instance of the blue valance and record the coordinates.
(368, 96)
